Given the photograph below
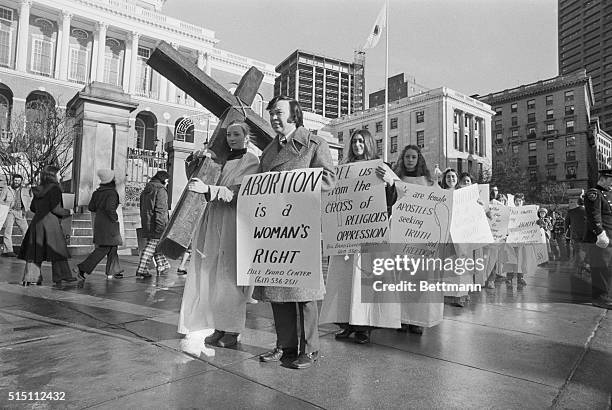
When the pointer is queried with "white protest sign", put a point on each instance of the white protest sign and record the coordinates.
(483, 191)
(500, 215)
(522, 225)
(4, 210)
(511, 200)
(541, 250)
(279, 229)
(421, 219)
(355, 211)
(469, 227)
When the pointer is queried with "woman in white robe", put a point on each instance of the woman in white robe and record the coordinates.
(342, 303)
(211, 298)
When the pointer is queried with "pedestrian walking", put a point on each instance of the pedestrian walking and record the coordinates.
(18, 198)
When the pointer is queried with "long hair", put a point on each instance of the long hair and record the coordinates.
(368, 150)
(443, 183)
(294, 109)
(48, 175)
(421, 167)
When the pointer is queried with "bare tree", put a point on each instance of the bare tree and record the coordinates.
(41, 135)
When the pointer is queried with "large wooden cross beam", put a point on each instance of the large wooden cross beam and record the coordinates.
(227, 107)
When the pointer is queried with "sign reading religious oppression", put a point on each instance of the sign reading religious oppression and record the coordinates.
(279, 229)
(523, 226)
(469, 226)
(355, 211)
(500, 215)
(421, 219)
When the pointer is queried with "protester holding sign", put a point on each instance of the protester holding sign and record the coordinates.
(342, 303)
(294, 147)
(523, 234)
(211, 298)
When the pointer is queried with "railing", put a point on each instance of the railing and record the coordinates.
(142, 164)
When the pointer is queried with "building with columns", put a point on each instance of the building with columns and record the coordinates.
(452, 130)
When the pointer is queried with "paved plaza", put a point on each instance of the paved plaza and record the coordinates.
(113, 344)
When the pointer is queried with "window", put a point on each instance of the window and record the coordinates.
(420, 137)
(456, 136)
(498, 138)
(476, 125)
(112, 61)
(456, 118)
(340, 136)
(533, 146)
(379, 147)
(420, 117)
(5, 46)
(551, 174)
(498, 111)
(379, 126)
(570, 155)
(569, 110)
(78, 65)
(570, 141)
(550, 114)
(531, 131)
(533, 160)
(6, 14)
(466, 142)
(550, 144)
(550, 127)
(513, 107)
(569, 95)
(550, 158)
(184, 130)
(571, 172)
(515, 148)
(569, 126)
(531, 117)
(515, 133)
(498, 124)
(466, 123)
(533, 174)
(394, 144)
(549, 100)
(393, 123)
(41, 56)
(530, 104)
(514, 121)
(476, 146)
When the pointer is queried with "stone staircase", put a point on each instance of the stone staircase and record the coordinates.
(81, 238)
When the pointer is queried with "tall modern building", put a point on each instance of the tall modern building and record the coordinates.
(585, 42)
(323, 85)
(546, 128)
(398, 88)
(452, 129)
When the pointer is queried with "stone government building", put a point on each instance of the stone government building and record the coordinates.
(90, 56)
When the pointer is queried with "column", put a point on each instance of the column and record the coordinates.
(22, 35)
(131, 73)
(207, 64)
(172, 87)
(101, 50)
(201, 60)
(297, 85)
(64, 46)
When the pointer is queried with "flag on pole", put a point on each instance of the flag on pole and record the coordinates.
(376, 32)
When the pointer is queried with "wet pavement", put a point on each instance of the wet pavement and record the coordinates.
(113, 344)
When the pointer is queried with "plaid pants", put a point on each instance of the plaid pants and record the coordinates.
(148, 252)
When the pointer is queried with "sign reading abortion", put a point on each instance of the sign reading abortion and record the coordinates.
(500, 215)
(279, 229)
(421, 219)
(355, 211)
(523, 226)
(469, 227)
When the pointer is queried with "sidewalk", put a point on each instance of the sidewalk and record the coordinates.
(113, 344)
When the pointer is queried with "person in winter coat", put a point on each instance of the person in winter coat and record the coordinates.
(44, 239)
(106, 235)
(153, 219)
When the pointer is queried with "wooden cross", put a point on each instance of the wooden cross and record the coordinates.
(227, 107)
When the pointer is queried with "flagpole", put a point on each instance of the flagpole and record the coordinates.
(386, 81)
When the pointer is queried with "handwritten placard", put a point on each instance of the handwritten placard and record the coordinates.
(500, 215)
(355, 210)
(421, 219)
(279, 229)
(522, 225)
(483, 191)
(469, 228)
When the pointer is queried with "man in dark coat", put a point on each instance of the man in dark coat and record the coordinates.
(598, 206)
(106, 235)
(575, 222)
(153, 219)
(295, 309)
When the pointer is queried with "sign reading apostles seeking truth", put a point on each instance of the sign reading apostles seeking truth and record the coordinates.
(279, 229)
(355, 211)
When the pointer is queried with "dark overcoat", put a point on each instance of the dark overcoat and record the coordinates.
(153, 209)
(44, 239)
(104, 202)
(304, 150)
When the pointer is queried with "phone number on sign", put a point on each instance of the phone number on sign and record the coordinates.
(36, 396)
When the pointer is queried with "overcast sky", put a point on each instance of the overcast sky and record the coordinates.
(472, 46)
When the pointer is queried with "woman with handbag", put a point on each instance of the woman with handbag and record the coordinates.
(44, 239)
